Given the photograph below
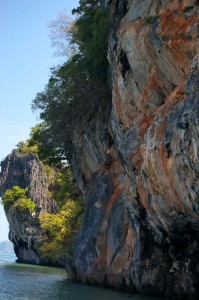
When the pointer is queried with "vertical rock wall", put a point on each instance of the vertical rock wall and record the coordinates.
(138, 165)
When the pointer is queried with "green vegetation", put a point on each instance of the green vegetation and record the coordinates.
(40, 145)
(59, 229)
(91, 37)
(18, 196)
(64, 189)
(77, 90)
(26, 204)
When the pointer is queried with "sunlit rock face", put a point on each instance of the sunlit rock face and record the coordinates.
(138, 163)
(25, 231)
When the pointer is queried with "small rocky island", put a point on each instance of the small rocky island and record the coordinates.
(136, 162)
(6, 247)
(25, 232)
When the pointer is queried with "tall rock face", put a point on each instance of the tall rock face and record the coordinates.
(138, 163)
(25, 231)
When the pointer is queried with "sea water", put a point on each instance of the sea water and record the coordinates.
(24, 282)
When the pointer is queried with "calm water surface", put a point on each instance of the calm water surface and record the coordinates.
(24, 282)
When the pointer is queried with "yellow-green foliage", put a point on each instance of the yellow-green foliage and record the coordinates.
(32, 144)
(39, 144)
(64, 189)
(17, 195)
(59, 229)
(50, 173)
(26, 204)
(25, 148)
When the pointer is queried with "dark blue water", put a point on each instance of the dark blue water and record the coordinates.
(24, 282)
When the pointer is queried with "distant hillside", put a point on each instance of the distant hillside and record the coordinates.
(6, 247)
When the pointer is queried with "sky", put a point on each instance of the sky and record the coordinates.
(25, 60)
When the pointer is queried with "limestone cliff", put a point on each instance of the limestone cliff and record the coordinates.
(25, 231)
(138, 163)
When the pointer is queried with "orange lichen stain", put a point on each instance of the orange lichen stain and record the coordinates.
(179, 33)
(151, 84)
(153, 79)
(172, 23)
(173, 6)
(117, 192)
(177, 94)
(166, 179)
(158, 163)
(136, 26)
(118, 263)
(117, 102)
(143, 194)
(183, 3)
(144, 124)
(122, 259)
(177, 48)
(130, 241)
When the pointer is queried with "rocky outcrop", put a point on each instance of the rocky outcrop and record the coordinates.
(138, 163)
(25, 231)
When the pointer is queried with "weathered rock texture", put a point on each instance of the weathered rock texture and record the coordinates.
(138, 164)
(25, 231)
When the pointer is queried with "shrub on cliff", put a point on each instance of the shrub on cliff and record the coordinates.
(17, 196)
(59, 229)
(26, 204)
